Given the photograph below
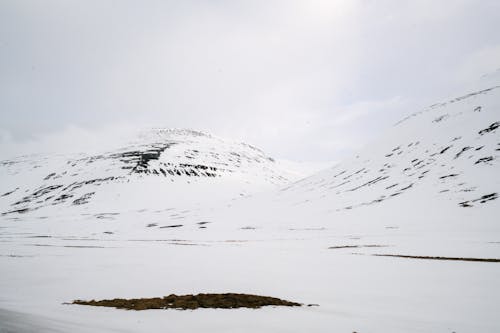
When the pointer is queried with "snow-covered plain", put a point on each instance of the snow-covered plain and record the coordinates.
(184, 212)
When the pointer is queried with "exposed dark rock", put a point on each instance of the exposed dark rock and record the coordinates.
(491, 128)
(19, 211)
(464, 149)
(83, 199)
(37, 194)
(444, 150)
(10, 192)
(485, 198)
(448, 176)
(50, 176)
(485, 159)
(63, 197)
(407, 187)
(371, 182)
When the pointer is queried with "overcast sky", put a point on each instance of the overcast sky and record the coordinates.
(303, 80)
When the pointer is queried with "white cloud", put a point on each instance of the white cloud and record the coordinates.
(283, 75)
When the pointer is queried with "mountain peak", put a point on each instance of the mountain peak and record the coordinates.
(156, 157)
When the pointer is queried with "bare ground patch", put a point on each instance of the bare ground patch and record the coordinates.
(191, 302)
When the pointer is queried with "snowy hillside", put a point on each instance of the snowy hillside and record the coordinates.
(433, 180)
(402, 237)
(148, 173)
(449, 152)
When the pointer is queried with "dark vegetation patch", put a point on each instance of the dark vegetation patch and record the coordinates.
(484, 159)
(38, 193)
(191, 302)
(63, 197)
(84, 246)
(407, 187)
(97, 182)
(437, 258)
(15, 256)
(139, 159)
(171, 226)
(449, 176)
(440, 118)
(355, 173)
(248, 228)
(418, 164)
(83, 199)
(186, 244)
(485, 198)
(202, 225)
(340, 173)
(464, 149)
(468, 189)
(371, 182)
(354, 246)
(8, 193)
(50, 176)
(444, 150)
(307, 229)
(422, 175)
(108, 216)
(491, 128)
(19, 211)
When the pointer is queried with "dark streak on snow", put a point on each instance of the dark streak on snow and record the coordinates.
(437, 258)
(491, 128)
(485, 198)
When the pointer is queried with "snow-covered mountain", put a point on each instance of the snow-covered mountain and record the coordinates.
(150, 172)
(433, 178)
(184, 212)
(448, 152)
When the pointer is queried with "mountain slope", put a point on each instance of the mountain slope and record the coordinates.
(345, 240)
(153, 171)
(450, 151)
(433, 180)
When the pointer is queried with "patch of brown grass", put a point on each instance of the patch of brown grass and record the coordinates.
(191, 302)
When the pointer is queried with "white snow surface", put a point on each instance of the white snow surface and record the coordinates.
(429, 187)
